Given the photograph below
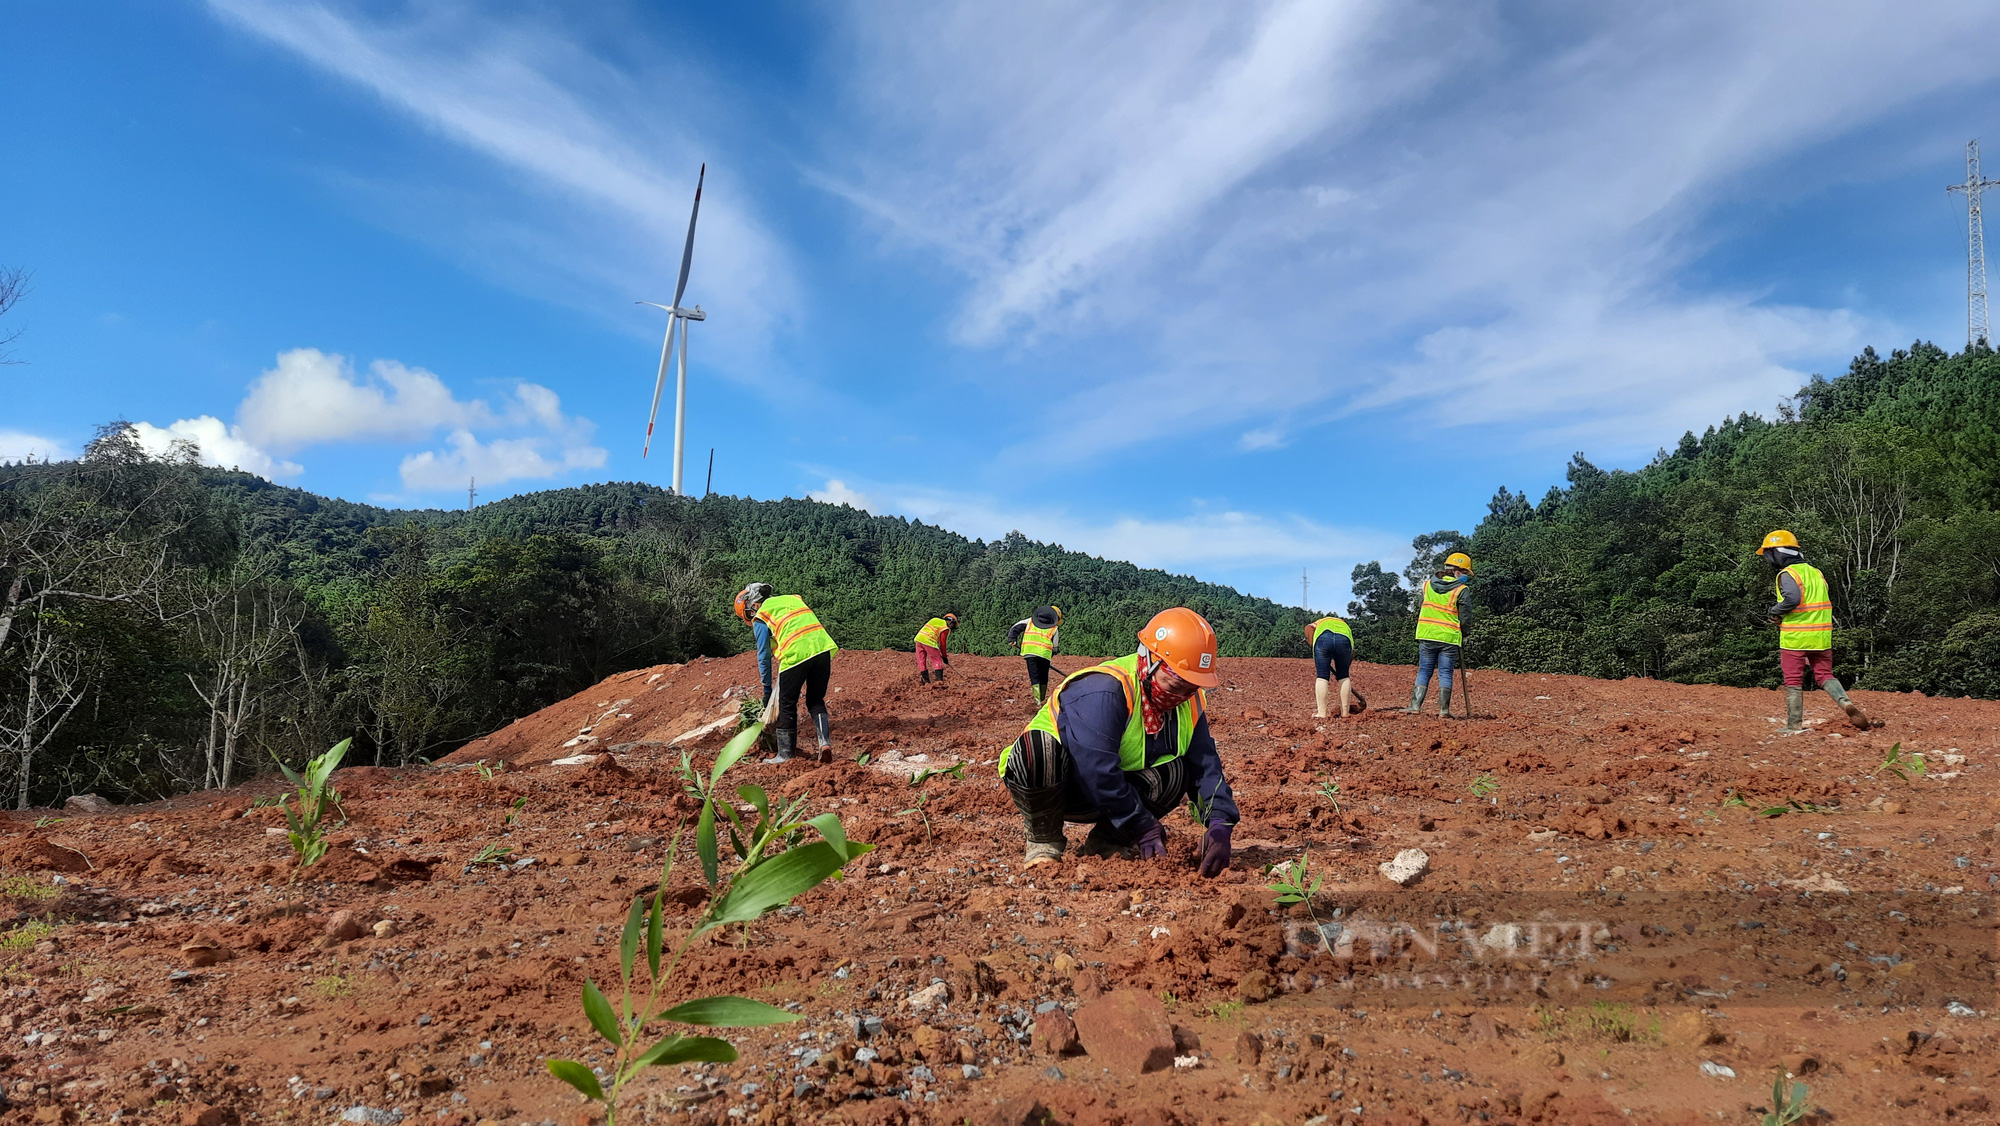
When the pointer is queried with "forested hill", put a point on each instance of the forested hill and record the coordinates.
(1889, 475)
(175, 625)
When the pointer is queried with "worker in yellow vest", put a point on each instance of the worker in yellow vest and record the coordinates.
(1333, 657)
(790, 637)
(1440, 631)
(1121, 745)
(1039, 641)
(934, 647)
(1804, 617)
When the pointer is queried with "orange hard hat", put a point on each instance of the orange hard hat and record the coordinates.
(1185, 643)
(743, 605)
(1779, 538)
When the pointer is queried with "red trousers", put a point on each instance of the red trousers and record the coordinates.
(1795, 662)
(929, 657)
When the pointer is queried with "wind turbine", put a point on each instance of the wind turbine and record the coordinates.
(677, 318)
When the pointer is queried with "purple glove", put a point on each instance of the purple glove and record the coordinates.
(1153, 844)
(1215, 850)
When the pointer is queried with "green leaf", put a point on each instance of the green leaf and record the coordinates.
(1774, 811)
(775, 882)
(653, 937)
(729, 1012)
(704, 842)
(687, 1049)
(735, 749)
(599, 1011)
(628, 943)
(755, 795)
(829, 826)
(578, 1076)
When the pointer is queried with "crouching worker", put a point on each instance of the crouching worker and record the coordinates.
(1333, 658)
(1122, 744)
(787, 630)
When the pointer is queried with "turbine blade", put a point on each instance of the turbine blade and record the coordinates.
(687, 253)
(660, 385)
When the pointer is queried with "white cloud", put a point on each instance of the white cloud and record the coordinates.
(19, 445)
(528, 94)
(220, 445)
(1259, 214)
(495, 462)
(835, 491)
(312, 397)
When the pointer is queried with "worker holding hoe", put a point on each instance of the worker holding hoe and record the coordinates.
(1036, 634)
(1804, 617)
(1440, 631)
(1333, 656)
(1120, 745)
(934, 647)
(786, 627)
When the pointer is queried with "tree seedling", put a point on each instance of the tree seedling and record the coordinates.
(956, 772)
(514, 810)
(1787, 1108)
(306, 828)
(491, 854)
(1902, 765)
(922, 815)
(1298, 885)
(45, 822)
(760, 882)
(488, 770)
(1330, 790)
(1485, 787)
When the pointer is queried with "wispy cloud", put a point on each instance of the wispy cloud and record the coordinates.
(1261, 215)
(524, 94)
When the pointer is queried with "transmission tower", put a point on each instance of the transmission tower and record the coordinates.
(1975, 246)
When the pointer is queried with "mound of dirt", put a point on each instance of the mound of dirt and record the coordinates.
(1641, 903)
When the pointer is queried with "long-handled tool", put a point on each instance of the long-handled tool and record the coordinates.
(1465, 682)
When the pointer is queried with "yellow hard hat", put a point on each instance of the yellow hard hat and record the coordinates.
(1779, 538)
(1460, 560)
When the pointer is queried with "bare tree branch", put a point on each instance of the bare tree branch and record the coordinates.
(13, 287)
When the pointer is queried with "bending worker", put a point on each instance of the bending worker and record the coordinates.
(1440, 631)
(1120, 745)
(1333, 656)
(1036, 635)
(786, 627)
(934, 647)
(1804, 617)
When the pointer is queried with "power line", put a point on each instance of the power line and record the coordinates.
(1975, 246)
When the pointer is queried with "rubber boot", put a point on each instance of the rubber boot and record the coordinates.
(783, 737)
(1351, 702)
(1855, 715)
(1417, 700)
(923, 676)
(1319, 699)
(1037, 690)
(823, 725)
(940, 678)
(1795, 711)
(1042, 815)
(1101, 842)
(1444, 702)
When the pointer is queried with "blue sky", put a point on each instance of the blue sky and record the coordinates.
(1229, 289)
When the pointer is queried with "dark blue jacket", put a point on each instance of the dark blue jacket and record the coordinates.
(1092, 723)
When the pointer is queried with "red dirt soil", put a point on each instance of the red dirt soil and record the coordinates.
(1588, 935)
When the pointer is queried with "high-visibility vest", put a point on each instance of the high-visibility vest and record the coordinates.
(796, 635)
(1132, 745)
(935, 633)
(1437, 617)
(1811, 625)
(1328, 625)
(1038, 642)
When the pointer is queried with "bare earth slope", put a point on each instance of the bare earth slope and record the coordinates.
(1589, 937)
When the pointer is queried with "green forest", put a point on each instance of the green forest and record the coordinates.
(1888, 474)
(166, 626)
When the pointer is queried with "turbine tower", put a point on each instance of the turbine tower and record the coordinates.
(677, 318)
(1975, 247)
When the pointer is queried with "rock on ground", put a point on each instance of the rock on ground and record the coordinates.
(1408, 865)
(1127, 1032)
